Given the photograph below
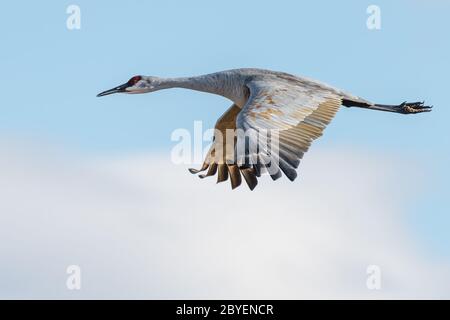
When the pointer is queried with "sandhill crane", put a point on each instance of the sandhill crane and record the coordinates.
(297, 108)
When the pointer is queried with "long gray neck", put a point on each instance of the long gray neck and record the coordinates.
(224, 84)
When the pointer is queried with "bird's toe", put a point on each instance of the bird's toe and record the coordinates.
(415, 107)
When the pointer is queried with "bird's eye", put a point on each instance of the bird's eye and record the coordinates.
(134, 80)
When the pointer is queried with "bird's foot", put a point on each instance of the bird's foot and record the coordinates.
(414, 107)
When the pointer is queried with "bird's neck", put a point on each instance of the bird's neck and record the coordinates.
(222, 84)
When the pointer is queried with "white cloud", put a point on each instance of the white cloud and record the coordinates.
(140, 227)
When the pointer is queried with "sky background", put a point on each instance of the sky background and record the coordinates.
(69, 156)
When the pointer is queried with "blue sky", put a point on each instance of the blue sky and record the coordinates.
(50, 76)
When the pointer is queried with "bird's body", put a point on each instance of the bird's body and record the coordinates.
(273, 120)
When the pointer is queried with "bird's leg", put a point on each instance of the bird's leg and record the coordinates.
(404, 108)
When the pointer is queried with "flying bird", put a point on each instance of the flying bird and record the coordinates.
(296, 108)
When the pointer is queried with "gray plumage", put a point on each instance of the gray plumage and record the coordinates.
(290, 110)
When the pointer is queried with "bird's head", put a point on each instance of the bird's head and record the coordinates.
(137, 84)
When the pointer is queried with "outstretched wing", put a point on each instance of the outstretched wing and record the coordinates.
(291, 111)
(220, 158)
(297, 110)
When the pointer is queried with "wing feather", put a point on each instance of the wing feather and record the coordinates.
(297, 113)
(291, 112)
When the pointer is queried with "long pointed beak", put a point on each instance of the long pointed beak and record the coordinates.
(118, 89)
